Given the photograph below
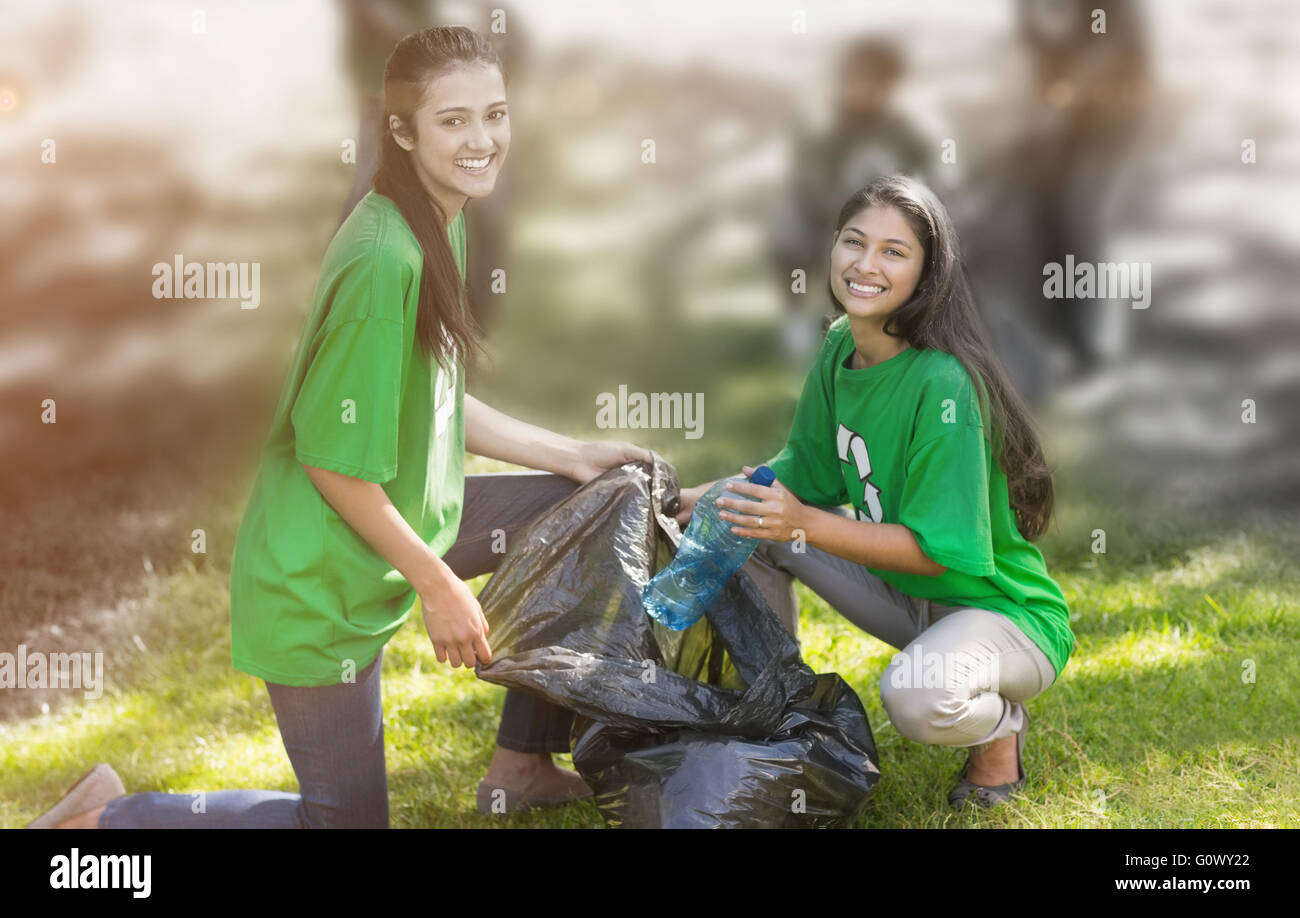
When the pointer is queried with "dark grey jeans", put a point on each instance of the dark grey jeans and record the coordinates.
(510, 501)
(334, 735)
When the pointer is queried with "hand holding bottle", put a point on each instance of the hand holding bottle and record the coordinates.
(759, 512)
(709, 555)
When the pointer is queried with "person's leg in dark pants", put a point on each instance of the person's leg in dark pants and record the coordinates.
(495, 510)
(334, 735)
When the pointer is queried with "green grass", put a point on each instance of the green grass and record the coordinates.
(1150, 725)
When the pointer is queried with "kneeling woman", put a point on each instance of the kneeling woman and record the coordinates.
(909, 416)
(361, 505)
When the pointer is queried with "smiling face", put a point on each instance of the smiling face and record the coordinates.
(462, 135)
(876, 263)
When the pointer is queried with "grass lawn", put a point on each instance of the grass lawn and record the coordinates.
(1151, 724)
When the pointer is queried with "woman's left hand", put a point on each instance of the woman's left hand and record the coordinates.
(596, 458)
(777, 515)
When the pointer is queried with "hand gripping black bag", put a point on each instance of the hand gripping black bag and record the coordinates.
(720, 725)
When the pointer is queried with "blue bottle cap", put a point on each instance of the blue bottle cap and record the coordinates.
(763, 476)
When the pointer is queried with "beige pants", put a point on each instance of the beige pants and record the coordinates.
(962, 674)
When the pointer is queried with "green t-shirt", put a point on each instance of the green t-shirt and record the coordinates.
(307, 593)
(903, 442)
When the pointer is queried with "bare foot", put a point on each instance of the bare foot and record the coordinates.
(535, 773)
(995, 765)
(86, 820)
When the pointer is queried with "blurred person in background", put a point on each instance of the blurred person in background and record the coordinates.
(868, 137)
(1090, 90)
(1046, 191)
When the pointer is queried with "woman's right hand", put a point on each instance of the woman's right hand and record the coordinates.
(455, 622)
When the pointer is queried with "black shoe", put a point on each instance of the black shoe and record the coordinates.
(991, 796)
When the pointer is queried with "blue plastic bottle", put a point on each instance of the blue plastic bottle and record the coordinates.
(708, 556)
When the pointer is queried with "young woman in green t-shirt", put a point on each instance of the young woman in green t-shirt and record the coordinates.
(358, 511)
(909, 417)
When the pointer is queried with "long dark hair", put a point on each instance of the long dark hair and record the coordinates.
(444, 319)
(942, 314)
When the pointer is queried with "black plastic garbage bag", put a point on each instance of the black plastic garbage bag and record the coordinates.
(720, 725)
